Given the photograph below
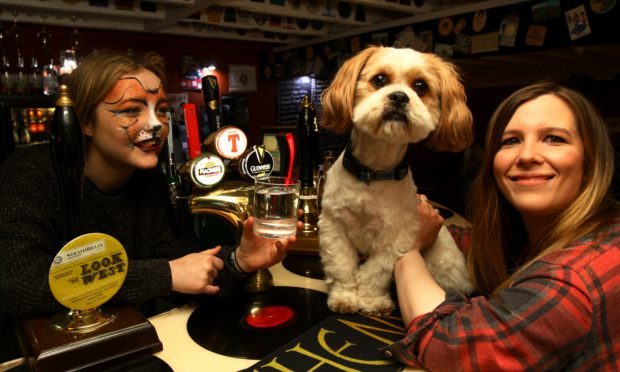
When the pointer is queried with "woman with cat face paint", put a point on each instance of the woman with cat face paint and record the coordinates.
(544, 256)
(122, 106)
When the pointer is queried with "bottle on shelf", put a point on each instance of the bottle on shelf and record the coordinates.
(6, 74)
(22, 85)
(49, 78)
(15, 37)
(34, 75)
(49, 71)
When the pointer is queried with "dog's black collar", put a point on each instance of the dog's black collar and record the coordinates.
(366, 174)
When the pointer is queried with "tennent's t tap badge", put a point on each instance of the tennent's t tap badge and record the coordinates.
(230, 142)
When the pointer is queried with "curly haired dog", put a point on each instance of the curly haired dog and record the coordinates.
(388, 98)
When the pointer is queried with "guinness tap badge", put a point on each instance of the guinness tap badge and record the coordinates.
(256, 162)
(85, 274)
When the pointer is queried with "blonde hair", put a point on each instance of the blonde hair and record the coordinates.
(100, 71)
(498, 233)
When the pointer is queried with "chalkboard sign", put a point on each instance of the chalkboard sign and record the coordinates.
(290, 94)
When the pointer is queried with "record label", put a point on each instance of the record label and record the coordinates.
(269, 316)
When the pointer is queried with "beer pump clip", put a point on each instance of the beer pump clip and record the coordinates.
(84, 274)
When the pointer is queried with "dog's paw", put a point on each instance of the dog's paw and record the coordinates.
(343, 302)
(377, 306)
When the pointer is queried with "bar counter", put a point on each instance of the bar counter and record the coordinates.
(181, 353)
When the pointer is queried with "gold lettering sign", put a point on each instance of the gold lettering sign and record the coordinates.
(343, 343)
(88, 271)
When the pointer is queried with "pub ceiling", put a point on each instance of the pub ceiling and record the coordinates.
(295, 24)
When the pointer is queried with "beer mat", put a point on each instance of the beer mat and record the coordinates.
(306, 265)
(340, 342)
(252, 325)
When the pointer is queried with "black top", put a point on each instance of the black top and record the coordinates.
(139, 216)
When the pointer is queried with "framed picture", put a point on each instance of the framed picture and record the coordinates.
(242, 78)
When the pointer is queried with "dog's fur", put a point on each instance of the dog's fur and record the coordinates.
(379, 220)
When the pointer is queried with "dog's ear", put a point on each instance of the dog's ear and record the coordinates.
(338, 99)
(454, 132)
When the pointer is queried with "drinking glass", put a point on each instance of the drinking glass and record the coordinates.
(276, 200)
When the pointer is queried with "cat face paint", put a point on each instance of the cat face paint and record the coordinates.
(140, 109)
(131, 123)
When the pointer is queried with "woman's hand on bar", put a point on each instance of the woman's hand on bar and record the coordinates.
(196, 272)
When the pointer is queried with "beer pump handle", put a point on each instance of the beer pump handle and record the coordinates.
(306, 119)
(67, 153)
(211, 93)
(171, 168)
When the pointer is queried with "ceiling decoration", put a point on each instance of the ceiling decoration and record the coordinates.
(284, 22)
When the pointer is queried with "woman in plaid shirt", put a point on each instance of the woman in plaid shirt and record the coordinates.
(544, 256)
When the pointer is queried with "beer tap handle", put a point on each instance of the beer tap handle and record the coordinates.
(306, 118)
(67, 153)
(211, 94)
(171, 168)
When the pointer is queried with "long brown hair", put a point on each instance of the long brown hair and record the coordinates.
(498, 233)
(98, 73)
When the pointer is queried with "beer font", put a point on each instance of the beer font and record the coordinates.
(67, 154)
(309, 143)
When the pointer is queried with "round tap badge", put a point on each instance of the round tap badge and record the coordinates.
(207, 170)
(230, 142)
(88, 271)
(256, 163)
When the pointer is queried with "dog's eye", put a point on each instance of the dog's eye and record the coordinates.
(420, 87)
(379, 81)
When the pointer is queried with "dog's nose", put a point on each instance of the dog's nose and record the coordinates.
(399, 98)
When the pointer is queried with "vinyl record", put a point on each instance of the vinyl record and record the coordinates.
(252, 325)
(306, 265)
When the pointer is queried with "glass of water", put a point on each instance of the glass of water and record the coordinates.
(276, 200)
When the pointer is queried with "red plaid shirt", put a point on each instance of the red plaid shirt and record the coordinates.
(562, 313)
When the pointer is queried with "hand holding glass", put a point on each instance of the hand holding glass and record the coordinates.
(276, 201)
